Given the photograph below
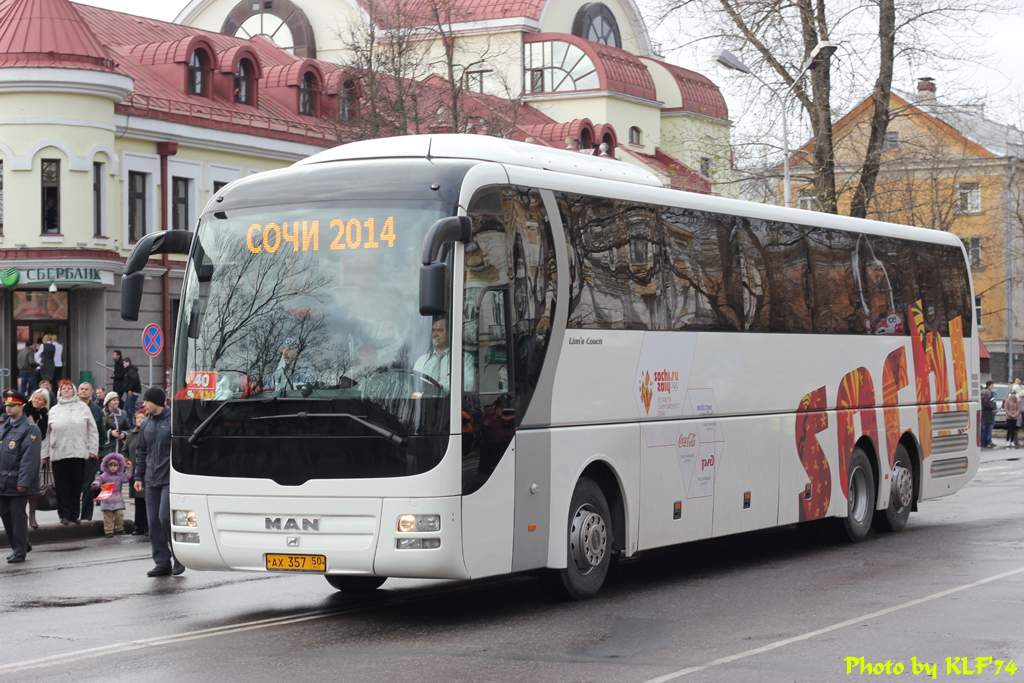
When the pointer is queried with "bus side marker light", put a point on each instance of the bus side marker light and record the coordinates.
(531, 527)
(677, 510)
(746, 500)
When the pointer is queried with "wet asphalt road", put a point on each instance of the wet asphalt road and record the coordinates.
(770, 606)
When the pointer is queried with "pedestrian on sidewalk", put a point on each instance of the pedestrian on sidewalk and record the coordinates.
(71, 439)
(117, 381)
(141, 521)
(988, 415)
(46, 355)
(47, 386)
(27, 369)
(92, 465)
(58, 358)
(19, 472)
(132, 385)
(116, 424)
(37, 410)
(112, 477)
(153, 466)
(1012, 406)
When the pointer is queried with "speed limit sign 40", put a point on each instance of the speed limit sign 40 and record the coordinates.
(200, 384)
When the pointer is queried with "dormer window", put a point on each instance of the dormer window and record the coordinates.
(635, 136)
(243, 82)
(198, 68)
(307, 94)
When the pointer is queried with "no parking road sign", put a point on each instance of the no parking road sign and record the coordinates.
(152, 340)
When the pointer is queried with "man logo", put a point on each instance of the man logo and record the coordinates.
(291, 524)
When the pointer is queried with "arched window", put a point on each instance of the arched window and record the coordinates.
(198, 70)
(596, 23)
(243, 82)
(586, 140)
(347, 101)
(279, 21)
(635, 136)
(307, 94)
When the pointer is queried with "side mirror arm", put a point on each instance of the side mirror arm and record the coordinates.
(433, 271)
(133, 280)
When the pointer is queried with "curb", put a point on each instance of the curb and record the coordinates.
(58, 533)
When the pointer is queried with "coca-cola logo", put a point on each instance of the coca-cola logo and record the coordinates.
(687, 440)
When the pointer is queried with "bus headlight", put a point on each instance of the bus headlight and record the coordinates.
(407, 524)
(185, 518)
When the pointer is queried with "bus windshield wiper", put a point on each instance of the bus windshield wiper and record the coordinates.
(392, 436)
(205, 424)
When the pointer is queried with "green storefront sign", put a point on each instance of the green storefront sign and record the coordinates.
(56, 275)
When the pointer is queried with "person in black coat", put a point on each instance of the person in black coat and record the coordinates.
(47, 367)
(117, 382)
(132, 385)
(38, 411)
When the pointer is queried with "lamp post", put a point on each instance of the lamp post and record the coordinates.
(731, 61)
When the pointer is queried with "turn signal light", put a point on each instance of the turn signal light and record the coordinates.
(417, 543)
(180, 537)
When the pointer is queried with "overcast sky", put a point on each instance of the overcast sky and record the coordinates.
(1000, 82)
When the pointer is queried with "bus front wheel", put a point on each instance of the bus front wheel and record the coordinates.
(589, 544)
(355, 584)
(860, 498)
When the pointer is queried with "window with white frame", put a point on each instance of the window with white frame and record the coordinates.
(50, 194)
(97, 198)
(636, 136)
(807, 199)
(138, 200)
(892, 139)
(973, 247)
(181, 192)
(968, 198)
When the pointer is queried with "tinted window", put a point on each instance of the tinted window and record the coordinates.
(636, 267)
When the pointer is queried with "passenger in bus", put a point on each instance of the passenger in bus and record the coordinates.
(436, 362)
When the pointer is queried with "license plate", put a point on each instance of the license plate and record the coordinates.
(296, 563)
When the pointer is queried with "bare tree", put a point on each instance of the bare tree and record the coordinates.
(778, 39)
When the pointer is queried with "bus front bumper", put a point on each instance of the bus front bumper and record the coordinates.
(358, 536)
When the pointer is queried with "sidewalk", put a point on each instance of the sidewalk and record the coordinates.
(52, 531)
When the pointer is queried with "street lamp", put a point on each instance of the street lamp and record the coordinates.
(731, 61)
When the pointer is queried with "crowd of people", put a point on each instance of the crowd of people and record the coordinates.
(1013, 408)
(94, 446)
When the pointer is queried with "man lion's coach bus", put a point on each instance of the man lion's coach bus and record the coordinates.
(457, 356)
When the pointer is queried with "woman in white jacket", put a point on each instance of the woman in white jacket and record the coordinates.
(71, 438)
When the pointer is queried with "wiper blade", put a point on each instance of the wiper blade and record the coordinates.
(392, 436)
(205, 424)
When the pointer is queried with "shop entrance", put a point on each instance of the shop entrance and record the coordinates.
(37, 314)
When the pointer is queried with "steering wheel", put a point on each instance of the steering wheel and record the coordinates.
(421, 376)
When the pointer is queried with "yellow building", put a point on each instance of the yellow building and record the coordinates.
(946, 167)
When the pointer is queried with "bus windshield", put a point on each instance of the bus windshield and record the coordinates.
(302, 320)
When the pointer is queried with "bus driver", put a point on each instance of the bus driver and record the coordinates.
(436, 363)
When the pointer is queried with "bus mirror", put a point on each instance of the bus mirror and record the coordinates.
(433, 279)
(131, 295)
(444, 230)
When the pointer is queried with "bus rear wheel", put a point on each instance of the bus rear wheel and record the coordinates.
(355, 584)
(901, 494)
(589, 544)
(860, 498)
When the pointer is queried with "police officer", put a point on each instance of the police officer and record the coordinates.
(19, 472)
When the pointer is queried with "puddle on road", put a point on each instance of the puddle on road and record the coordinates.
(59, 601)
(64, 550)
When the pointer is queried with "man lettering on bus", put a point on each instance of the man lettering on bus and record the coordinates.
(153, 474)
(436, 363)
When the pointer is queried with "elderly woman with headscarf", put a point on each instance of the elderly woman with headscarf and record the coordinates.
(37, 410)
(71, 439)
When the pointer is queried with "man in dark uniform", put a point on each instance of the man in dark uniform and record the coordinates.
(19, 472)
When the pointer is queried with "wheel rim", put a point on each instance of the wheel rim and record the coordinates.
(902, 486)
(857, 495)
(588, 539)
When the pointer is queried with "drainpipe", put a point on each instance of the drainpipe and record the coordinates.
(1010, 238)
(165, 149)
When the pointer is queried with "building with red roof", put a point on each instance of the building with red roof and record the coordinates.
(126, 125)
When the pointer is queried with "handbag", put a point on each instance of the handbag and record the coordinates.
(46, 499)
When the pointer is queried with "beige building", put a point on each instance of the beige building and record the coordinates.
(113, 126)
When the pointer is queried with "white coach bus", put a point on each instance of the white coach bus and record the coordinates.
(634, 367)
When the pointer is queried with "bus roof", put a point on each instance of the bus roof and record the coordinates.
(487, 148)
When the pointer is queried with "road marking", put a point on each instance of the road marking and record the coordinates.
(186, 636)
(828, 629)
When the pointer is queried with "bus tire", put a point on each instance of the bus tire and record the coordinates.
(355, 584)
(589, 544)
(860, 498)
(901, 494)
